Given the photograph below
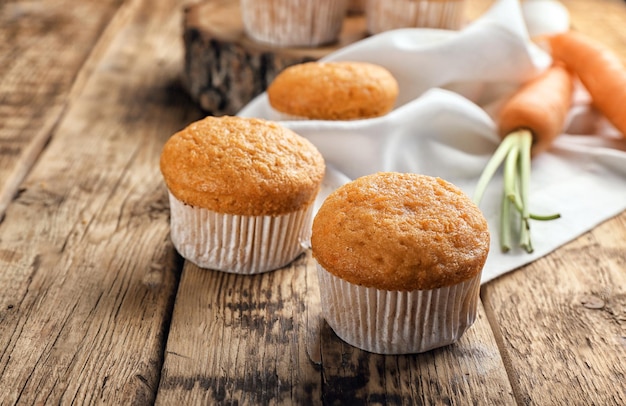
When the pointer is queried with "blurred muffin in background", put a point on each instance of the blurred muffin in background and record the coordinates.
(385, 15)
(293, 23)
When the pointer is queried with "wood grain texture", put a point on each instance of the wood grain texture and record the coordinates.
(37, 72)
(467, 372)
(564, 332)
(243, 339)
(87, 287)
(602, 20)
(262, 340)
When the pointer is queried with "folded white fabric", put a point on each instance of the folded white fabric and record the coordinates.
(450, 82)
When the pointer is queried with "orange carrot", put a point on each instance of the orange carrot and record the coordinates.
(528, 124)
(541, 106)
(599, 69)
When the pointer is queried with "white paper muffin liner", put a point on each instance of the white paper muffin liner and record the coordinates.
(238, 244)
(391, 14)
(395, 322)
(277, 115)
(285, 23)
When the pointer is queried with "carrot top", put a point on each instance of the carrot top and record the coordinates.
(528, 122)
(541, 105)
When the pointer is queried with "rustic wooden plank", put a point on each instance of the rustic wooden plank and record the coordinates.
(470, 371)
(262, 340)
(37, 72)
(88, 273)
(239, 339)
(562, 320)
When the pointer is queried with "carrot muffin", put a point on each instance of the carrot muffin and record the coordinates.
(333, 91)
(391, 14)
(293, 23)
(241, 193)
(399, 259)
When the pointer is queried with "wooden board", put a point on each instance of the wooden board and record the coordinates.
(90, 281)
(262, 340)
(37, 73)
(86, 290)
(561, 326)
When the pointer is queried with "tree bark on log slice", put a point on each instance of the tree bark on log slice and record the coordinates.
(224, 69)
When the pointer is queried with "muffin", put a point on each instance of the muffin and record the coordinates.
(332, 91)
(391, 14)
(293, 23)
(399, 259)
(241, 193)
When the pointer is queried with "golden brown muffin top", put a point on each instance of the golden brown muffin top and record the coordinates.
(334, 90)
(400, 232)
(243, 166)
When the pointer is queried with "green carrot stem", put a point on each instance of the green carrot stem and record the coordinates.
(525, 143)
(510, 169)
(505, 224)
(525, 241)
(514, 153)
(546, 217)
(492, 166)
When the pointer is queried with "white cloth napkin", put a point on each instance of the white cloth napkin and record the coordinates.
(450, 83)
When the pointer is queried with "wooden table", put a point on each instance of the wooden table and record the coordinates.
(97, 308)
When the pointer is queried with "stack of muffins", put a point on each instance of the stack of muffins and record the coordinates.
(399, 255)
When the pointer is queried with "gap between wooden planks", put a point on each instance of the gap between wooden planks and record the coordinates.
(261, 339)
(561, 321)
(89, 275)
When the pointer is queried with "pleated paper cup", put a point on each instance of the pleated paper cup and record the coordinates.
(385, 15)
(280, 116)
(397, 322)
(238, 244)
(293, 23)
